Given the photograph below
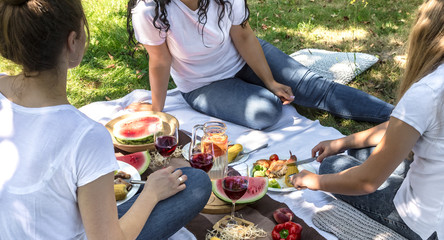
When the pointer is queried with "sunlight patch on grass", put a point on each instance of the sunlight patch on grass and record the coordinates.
(338, 36)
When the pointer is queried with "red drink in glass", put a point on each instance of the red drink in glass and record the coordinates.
(202, 161)
(235, 186)
(166, 145)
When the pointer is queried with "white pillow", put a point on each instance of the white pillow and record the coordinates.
(340, 67)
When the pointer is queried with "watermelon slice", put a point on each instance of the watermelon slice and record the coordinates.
(257, 188)
(139, 160)
(136, 130)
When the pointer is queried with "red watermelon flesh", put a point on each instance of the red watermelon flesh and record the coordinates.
(137, 130)
(257, 188)
(139, 160)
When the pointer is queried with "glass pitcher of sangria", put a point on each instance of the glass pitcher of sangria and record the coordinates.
(214, 141)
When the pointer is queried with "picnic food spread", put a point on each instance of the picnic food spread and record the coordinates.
(266, 172)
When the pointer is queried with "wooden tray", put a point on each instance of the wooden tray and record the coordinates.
(217, 206)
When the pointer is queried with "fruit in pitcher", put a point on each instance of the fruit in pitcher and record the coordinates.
(257, 188)
(215, 143)
(233, 151)
(139, 160)
(136, 130)
(282, 215)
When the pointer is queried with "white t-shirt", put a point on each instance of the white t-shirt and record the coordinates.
(197, 59)
(420, 199)
(45, 155)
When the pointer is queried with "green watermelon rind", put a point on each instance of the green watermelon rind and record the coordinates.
(144, 167)
(140, 141)
(219, 192)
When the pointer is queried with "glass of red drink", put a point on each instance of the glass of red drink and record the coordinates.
(235, 184)
(199, 159)
(166, 143)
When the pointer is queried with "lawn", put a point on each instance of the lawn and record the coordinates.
(112, 68)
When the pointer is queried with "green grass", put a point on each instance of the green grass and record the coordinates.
(378, 27)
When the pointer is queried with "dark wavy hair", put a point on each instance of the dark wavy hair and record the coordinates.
(161, 22)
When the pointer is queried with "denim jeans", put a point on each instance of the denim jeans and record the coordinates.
(244, 100)
(171, 214)
(378, 205)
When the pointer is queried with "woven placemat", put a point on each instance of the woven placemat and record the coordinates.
(348, 223)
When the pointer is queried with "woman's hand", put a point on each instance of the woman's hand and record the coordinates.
(164, 183)
(327, 148)
(305, 179)
(284, 92)
(139, 106)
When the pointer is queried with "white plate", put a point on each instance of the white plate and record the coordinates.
(281, 180)
(186, 155)
(123, 166)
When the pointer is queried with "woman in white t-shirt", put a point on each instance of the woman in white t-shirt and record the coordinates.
(57, 165)
(223, 70)
(406, 196)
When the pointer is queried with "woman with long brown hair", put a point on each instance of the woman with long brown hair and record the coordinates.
(406, 196)
(57, 165)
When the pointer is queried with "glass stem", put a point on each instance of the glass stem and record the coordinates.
(232, 211)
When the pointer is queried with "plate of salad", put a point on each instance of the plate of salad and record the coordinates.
(277, 171)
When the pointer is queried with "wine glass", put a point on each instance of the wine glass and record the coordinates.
(199, 159)
(166, 143)
(235, 184)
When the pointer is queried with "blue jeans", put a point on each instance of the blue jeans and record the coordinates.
(173, 213)
(244, 100)
(378, 205)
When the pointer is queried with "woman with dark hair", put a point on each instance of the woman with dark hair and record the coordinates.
(223, 70)
(406, 196)
(57, 164)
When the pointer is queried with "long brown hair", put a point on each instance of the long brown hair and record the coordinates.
(33, 32)
(425, 45)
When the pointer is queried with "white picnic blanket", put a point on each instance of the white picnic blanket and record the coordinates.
(292, 132)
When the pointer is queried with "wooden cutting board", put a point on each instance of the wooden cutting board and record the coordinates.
(217, 206)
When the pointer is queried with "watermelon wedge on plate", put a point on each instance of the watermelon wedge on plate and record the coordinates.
(139, 160)
(257, 188)
(134, 132)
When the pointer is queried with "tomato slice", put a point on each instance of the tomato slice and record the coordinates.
(274, 157)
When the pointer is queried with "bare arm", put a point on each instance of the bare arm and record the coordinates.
(159, 75)
(394, 147)
(367, 138)
(98, 209)
(251, 51)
